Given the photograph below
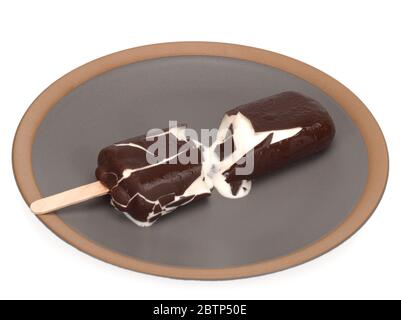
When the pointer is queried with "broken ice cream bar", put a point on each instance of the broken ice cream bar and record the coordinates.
(268, 134)
(254, 139)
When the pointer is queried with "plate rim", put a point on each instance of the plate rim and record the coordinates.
(378, 159)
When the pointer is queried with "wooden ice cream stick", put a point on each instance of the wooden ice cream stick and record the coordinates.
(69, 198)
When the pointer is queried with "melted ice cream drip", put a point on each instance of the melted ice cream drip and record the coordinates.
(245, 140)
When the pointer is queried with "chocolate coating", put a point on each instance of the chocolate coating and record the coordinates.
(284, 111)
(152, 191)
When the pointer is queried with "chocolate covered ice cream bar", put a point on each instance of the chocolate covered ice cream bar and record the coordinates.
(270, 133)
(144, 184)
(262, 136)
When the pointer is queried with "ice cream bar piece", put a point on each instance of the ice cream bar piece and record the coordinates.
(146, 184)
(278, 130)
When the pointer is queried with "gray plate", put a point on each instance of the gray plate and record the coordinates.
(285, 211)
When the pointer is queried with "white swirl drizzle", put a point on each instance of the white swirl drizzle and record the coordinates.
(133, 145)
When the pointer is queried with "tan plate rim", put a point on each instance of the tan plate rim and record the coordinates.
(378, 165)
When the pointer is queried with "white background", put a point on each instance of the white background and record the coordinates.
(357, 42)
